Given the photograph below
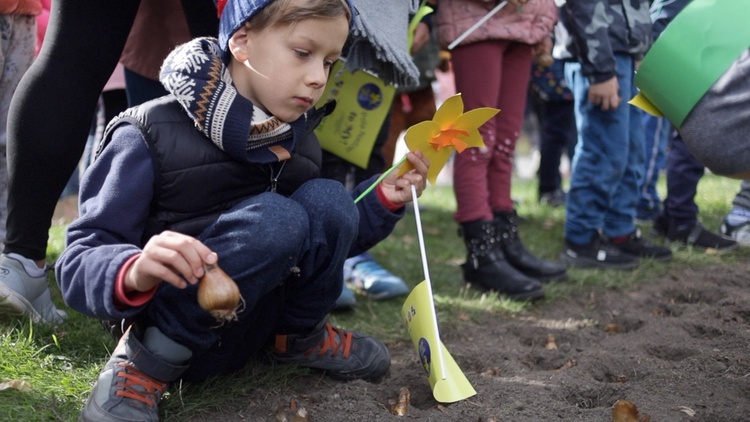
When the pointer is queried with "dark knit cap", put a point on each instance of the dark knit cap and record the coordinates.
(234, 14)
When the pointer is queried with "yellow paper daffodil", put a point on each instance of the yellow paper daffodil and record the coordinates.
(451, 129)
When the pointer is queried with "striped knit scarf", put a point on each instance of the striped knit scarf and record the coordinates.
(195, 74)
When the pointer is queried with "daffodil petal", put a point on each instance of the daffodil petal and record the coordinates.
(475, 139)
(473, 119)
(449, 111)
(418, 137)
(437, 162)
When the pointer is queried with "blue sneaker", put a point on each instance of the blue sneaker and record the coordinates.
(736, 225)
(367, 277)
(346, 300)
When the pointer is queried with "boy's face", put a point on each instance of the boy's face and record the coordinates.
(284, 69)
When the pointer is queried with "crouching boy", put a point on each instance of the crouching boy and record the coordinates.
(225, 170)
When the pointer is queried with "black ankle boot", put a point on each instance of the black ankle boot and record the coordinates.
(486, 267)
(506, 230)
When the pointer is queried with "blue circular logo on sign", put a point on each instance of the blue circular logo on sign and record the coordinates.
(424, 354)
(369, 96)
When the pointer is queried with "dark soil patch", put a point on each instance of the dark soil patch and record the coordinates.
(674, 347)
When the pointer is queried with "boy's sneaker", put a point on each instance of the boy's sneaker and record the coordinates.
(365, 275)
(695, 235)
(737, 230)
(123, 391)
(634, 244)
(597, 254)
(346, 299)
(344, 355)
(22, 294)
(555, 198)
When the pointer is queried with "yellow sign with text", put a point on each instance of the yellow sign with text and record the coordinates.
(362, 105)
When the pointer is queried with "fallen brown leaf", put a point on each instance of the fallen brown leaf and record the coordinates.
(612, 328)
(492, 372)
(281, 414)
(19, 385)
(569, 364)
(300, 416)
(626, 411)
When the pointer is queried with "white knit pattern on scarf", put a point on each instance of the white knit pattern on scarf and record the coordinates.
(196, 75)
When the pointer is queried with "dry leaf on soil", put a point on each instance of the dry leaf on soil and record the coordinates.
(626, 411)
(19, 385)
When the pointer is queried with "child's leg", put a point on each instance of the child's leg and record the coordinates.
(599, 163)
(302, 335)
(657, 131)
(511, 100)
(684, 171)
(260, 243)
(477, 68)
(558, 127)
(332, 226)
(619, 219)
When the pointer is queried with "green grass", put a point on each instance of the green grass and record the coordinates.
(61, 364)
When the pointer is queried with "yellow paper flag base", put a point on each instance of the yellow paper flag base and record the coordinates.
(447, 381)
(644, 104)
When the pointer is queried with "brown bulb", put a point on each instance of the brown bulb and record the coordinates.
(219, 295)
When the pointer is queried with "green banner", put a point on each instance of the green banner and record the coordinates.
(695, 49)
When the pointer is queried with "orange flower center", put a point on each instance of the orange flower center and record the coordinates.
(449, 137)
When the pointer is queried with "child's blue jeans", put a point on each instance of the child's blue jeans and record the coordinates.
(608, 161)
(285, 254)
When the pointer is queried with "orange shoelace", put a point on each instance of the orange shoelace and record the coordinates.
(329, 342)
(130, 378)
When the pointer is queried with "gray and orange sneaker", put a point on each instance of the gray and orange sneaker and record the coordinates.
(344, 355)
(134, 379)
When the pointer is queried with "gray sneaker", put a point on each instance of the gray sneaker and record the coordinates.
(131, 384)
(344, 355)
(22, 294)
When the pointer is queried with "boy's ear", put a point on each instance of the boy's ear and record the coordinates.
(238, 44)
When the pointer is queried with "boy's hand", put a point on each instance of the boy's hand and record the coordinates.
(171, 257)
(605, 94)
(398, 189)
